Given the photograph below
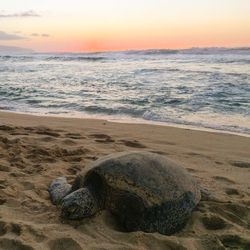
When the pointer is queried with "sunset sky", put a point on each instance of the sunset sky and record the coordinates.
(94, 25)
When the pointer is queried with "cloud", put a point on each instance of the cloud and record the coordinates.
(42, 35)
(8, 36)
(45, 35)
(29, 13)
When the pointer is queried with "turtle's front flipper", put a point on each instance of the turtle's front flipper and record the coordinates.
(58, 189)
(79, 204)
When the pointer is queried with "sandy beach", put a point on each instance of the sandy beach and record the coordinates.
(34, 150)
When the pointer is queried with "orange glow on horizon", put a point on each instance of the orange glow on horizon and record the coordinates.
(126, 25)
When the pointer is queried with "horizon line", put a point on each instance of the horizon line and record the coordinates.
(127, 50)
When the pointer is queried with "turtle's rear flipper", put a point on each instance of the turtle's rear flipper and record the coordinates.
(58, 189)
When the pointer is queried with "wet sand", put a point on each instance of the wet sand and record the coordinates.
(34, 150)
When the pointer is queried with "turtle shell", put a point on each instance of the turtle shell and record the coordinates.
(145, 191)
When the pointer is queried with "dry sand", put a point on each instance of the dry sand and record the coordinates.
(35, 150)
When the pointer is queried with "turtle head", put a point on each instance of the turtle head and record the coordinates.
(79, 204)
(58, 189)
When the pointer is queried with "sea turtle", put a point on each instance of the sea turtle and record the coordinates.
(145, 191)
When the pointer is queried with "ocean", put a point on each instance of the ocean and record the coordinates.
(201, 88)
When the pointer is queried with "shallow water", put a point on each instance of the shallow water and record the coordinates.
(207, 88)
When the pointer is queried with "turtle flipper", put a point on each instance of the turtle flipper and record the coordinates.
(79, 204)
(58, 189)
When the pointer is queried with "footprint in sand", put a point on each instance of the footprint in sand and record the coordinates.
(170, 143)
(132, 144)
(6, 128)
(46, 131)
(235, 242)
(4, 168)
(238, 214)
(224, 179)
(29, 129)
(5, 141)
(64, 244)
(16, 229)
(159, 152)
(34, 169)
(2, 201)
(92, 158)
(40, 154)
(75, 152)
(3, 228)
(74, 159)
(219, 162)
(73, 170)
(35, 233)
(18, 133)
(69, 142)
(3, 184)
(240, 164)
(75, 136)
(13, 244)
(38, 151)
(210, 242)
(198, 155)
(47, 139)
(232, 191)
(17, 160)
(18, 174)
(102, 138)
(152, 241)
(191, 170)
(13, 228)
(213, 222)
(58, 152)
(70, 155)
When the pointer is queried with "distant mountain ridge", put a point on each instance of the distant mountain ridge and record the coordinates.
(13, 49)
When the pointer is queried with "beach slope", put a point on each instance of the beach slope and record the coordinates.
(34, 150)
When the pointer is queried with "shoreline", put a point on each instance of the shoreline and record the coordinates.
(138, 121)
